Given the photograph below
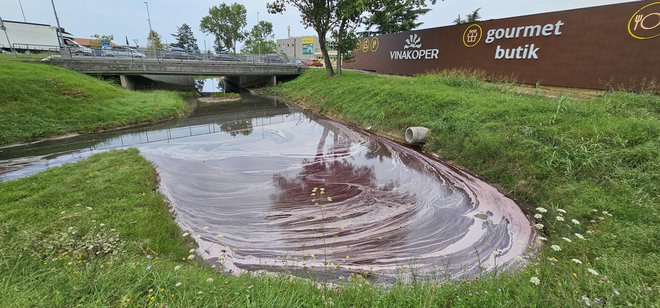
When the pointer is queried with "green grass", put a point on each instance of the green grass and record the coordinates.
(40, 100)
(563, 153)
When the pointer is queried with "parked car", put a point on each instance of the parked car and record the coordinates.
(121, 52)
(77, 49)
(179, 53)
(273, 59)
(223, 57)
(315, 63)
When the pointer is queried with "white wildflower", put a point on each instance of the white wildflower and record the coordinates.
(560, 218)
(555, 247)
(535, 280)
(178, 267)
(567, 239)
(541, 210)
(561, 211)
(580, 236)
(542, 238)
(539, 226)
(185, 234)
(575, 221)
(178, 284)
(209, 280)
(191, 251)
(576, 261)
(190, 257)
(538, 216)
(592, 271)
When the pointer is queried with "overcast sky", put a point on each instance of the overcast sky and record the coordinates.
(128, 18)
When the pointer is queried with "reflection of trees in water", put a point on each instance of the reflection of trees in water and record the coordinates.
(199, 85)
(238, 127)
(355, 222)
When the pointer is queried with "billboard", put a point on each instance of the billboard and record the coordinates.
(308, 45)
(598, 47)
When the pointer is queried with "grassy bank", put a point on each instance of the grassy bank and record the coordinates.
(596, 159)
(96, 233)
(40, 100)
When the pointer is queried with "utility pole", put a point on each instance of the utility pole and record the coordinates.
(59, 29)
(22, 12)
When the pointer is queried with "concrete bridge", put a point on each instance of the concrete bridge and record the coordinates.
(180, 72)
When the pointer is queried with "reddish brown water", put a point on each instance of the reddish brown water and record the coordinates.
(242, 186)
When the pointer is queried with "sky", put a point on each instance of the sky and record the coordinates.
(128, 18)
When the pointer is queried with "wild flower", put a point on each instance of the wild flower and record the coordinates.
(541, 210)
(329, 199)
(561, 211)
(178, 267)
(190, 257)
(191, 251)
(148, 267)
(542, 238)
(560, 218)
(89, 208)
(616, 292)
(592, 271)
(539, 226)
(555, 247)
(567, 239)
(538, 216)
(178, 284)
(575, 221)
(535, 280)
(553, 259)
(580, 236)
(209, 280)
(577, 261)
(186, 234)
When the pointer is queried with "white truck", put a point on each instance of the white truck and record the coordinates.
(31, 37)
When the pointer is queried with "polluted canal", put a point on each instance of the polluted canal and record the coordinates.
(261, 186)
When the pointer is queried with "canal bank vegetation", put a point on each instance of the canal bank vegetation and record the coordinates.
(586, 169)
(97, 233)
(39, 100)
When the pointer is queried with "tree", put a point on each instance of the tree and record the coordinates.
(101, 38)
(317, 14)
(348, 14)
(185, 39)
(391, 16)
(472, 17)
(154, 41)
(226, 22)
(260, 39)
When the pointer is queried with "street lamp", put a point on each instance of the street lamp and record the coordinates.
(260, 35)
(150, 36)
(59, 29)
(22, 12)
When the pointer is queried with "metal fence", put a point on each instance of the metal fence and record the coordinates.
(38, 52)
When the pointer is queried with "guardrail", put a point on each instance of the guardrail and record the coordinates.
(37, 52)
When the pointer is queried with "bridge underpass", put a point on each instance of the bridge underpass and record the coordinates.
(180, 72)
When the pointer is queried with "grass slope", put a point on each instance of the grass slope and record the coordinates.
(39, 100)
(589, 157)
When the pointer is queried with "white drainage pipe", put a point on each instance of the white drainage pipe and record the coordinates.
(416, 134)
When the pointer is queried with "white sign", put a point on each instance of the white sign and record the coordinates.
(412, 50)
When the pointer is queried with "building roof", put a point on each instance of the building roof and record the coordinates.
(90, 42)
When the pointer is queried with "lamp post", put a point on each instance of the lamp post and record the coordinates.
(149, 37)
(22, 12)
(59, 29)
(259, 42)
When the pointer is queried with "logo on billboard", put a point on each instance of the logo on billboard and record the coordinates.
(472, 35)
(645, 23)
(412, 50)
(413, 42)
(375, 43)
(365, 45)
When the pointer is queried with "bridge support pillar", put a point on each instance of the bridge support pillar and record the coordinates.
(271, 81)
(127, 82)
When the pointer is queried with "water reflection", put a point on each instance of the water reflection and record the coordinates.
(240, 178)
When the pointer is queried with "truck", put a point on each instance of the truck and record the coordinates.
(26, 37)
